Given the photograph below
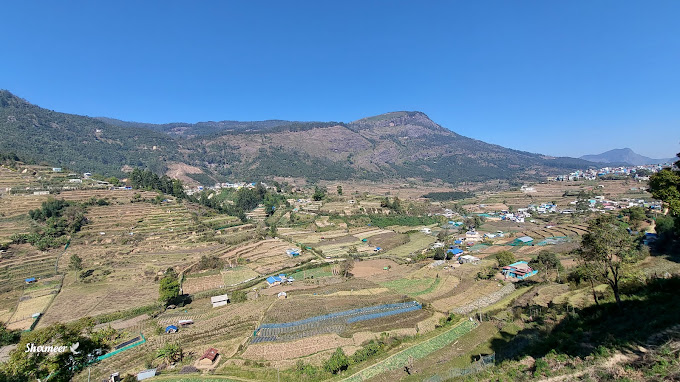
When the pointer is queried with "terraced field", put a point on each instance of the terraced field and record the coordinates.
(265, 256)
(23, 261)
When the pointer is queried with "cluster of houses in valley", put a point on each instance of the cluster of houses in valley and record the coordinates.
(628, 171)
(218, 186)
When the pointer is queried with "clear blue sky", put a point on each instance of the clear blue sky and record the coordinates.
(555, 77)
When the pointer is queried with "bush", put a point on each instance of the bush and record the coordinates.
(370, 349)
(238, 296)
(209, 262)
(337, 363)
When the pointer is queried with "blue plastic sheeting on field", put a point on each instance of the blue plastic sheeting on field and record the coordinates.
(346, 313)
(382, 314)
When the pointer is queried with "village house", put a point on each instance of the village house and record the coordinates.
(464, 259)
(519, 270)
(277, 280)
(472, 235)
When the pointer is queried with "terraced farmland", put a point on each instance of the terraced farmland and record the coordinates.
(329, 323)
(265, 256)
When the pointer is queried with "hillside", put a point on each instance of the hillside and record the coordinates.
(625, 156)
(78, 142)
(397, 145)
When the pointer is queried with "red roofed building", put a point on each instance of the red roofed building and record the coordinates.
(209, 357)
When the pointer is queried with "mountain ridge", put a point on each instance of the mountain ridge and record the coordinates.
(394, 145)
(624, 156)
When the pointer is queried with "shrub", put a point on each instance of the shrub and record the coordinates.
(238, 296)
(337, 363)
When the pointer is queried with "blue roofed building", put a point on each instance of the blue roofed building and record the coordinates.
(455, 251)
(276, 280)
(519, 270)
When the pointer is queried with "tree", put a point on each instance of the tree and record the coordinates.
(665, 186)
(585, 272)
(546, 262)
(347, 267)
(75, 263)
(605, 249)
(636, 216)
(319, 193)
(29, 366)
(396, 205)
(337, 363)
(505, 258)
(168, 288)
(8, 337)
(439, 254)
(273, 231)
(582, 204)
(339, 190)
(171, 352)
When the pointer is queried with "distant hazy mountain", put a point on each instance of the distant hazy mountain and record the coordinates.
(397, 145)
(624, 156)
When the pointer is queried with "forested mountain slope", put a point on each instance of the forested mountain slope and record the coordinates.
(395, 145)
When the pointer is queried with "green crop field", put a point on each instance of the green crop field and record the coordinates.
(238, 275)
(313, 273)
(418, 351)
(412, 287)
(417, 242)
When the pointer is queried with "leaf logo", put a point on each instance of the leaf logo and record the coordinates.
(74, 347)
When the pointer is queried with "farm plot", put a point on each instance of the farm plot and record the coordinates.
(421, 350)
(413, 287)
(375, 267)
(17, 205)
(95, 299)
(417, 242)
(265, 256)
(321, 301)
(295, 349)
(192, 285)
(24, 261)
(475, 291)
(238, 275)
(329, 323)
(13, 225)
(314, 273)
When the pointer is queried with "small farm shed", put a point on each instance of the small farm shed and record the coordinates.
(519, 270)
(31, 280)
(208, 357)
(171, 329)
(185, 322)
(282, 295)
(220, 300)
(455, 251)
(293, 252)
(145, 374)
